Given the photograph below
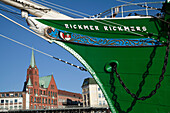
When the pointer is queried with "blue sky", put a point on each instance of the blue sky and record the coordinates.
(15, 59)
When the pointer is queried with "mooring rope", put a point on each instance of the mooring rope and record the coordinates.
(79, 67)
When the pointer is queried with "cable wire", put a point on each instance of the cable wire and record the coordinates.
(81, 68)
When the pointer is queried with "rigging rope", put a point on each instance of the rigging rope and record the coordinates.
(81, 68)
(48, 4)
(104, 21)
(3, 5)
(10, 11)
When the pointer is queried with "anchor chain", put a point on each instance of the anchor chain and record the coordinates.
(153, 92)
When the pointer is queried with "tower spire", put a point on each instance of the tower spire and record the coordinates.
(32, 63)
(29, 82)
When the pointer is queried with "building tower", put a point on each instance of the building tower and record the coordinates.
(41, 92)
(33, 74)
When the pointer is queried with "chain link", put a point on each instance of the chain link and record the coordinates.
(158, 85)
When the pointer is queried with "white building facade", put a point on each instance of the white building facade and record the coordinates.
(92, 94)
(11, 101)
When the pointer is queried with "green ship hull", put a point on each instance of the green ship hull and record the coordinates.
(139, 67)
(127, 56)
(138, 45)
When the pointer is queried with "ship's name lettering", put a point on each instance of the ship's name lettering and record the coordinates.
(85, 27)
(106, 28)
(125, 28)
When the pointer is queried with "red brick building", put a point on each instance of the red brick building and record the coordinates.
(42, 91)
(69, 99)
(38, 93)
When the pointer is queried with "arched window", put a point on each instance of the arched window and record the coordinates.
(35, 99)
(30, 72)
(31, 99)
(35, 107)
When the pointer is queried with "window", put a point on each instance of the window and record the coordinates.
(98, 89)
(11, 101)
(55, 94)
(15, 107)
(51, 93)
(42, 85)
(55, 101)
(84, 97)
(52, 86)
(35, 99)
(39, 100)
(7, 95)
(35, 107)
(87, 96)
(44, 92)
(11, 95)
(6, 101)
(30, 72)
(35, 83)
(103, 102)
(2, 95)
(88, 103)
(52, 101)
(16, 94)
(85, 103)
(48, 101)
(20, 107)
(31, 99)
(20, 95)
(11, 107)
(2, 101)
(99, 95)
(100, 103)
(15, 100)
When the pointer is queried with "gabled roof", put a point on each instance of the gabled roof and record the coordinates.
(45, 81)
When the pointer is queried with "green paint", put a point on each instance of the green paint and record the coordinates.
(29, 82)
(139, 67)
(107, 28)
(45, 81)
(32, 63)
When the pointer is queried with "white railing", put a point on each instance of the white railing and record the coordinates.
(126, 9)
